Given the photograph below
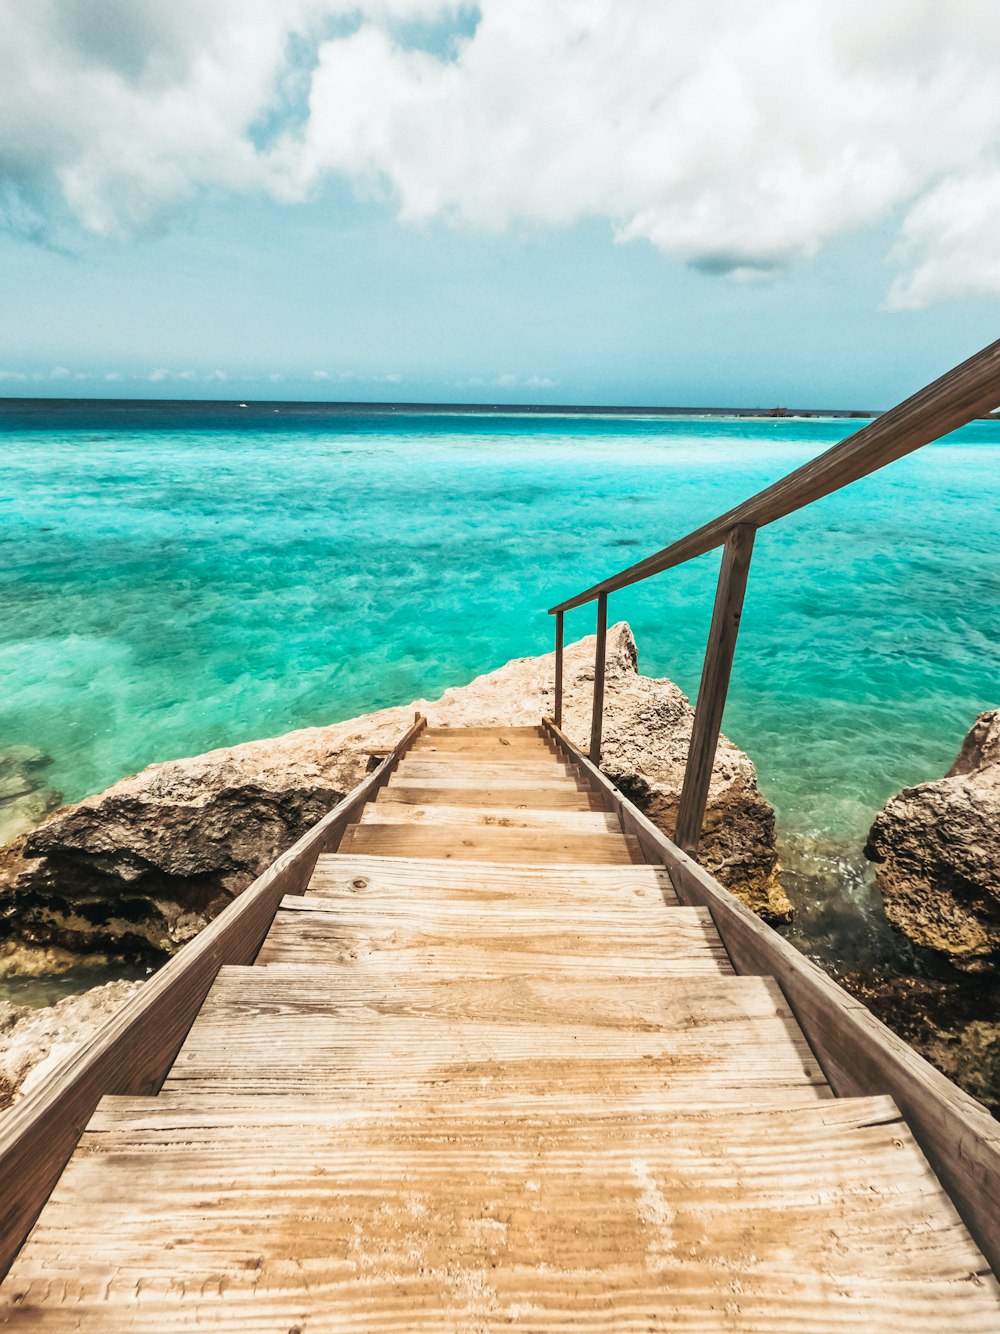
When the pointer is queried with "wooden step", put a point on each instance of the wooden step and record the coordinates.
(459, 738)
(240, 1214)
(288, 1030)
(342, 874)
(462, 843)
(459, 769)
(484, 752)
(488, 816)
(522, 796)
(504, 935)
(515, 733)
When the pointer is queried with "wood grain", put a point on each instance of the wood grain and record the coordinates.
(350, 875)
(462, 843)
(483, 816)
(698, 1219)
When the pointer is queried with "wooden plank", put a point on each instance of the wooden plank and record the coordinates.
(710, 1036)
(714, 686)
(351, 875)
(496, 748)
(534, 731)
(511, 998)
(131, 1052)
(335, 932)
(968, 391)
(459, 843)
(535, 796)
(600, 668)
(859, 1053)
(489, 816)
(457, 768)
(279, 1219)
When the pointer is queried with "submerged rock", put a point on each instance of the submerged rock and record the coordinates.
(24, 798)
(33, 1042)
(140, 868)
(937, 854)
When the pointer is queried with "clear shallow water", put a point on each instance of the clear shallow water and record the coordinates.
(173, 581)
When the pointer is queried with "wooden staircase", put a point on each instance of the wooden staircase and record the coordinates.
(487, 1072)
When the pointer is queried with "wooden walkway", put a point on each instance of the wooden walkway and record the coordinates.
(488, 1073)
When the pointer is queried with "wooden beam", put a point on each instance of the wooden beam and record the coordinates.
(559, 669)
(600, 666)
(859, 1054)
(970, 390)
(714, 685)
(132, 1052)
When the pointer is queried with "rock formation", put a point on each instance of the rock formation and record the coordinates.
(937, 854)
(140, 868)
(33, 1042)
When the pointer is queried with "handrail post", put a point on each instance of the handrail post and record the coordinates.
(597, 715)
(714, 685)
(557, 712)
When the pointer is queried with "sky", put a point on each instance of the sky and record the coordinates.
(689, 202)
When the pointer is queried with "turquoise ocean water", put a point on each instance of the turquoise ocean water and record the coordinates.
(173, 579)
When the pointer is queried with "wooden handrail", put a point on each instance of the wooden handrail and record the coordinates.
(968, 391)
(132, 1052)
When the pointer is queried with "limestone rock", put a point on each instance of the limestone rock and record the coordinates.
(33, 1042)
(937, 854)
(140, 868)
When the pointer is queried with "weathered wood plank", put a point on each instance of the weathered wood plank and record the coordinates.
(341, 933)
(459, 843)
(489, 816)
(716, 1036)
(522, 796)
(483, 773)
(345, 874)
(699, 1221)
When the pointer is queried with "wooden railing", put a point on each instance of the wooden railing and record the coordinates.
(970, 390)
(133, 1051)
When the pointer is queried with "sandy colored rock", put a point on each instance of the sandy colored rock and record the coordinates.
(937, 853)
(33, 1042)
(140, 868)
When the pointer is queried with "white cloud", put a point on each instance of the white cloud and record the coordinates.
(949, 244)
(736, 138)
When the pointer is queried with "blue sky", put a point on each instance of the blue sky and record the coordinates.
(422, 201)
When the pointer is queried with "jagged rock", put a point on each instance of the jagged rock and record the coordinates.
(937, 854)
(33, 1042)
(140, 868)
(24, 798)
